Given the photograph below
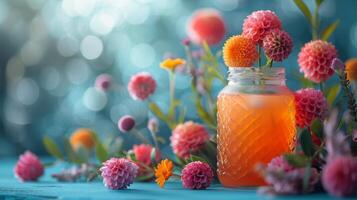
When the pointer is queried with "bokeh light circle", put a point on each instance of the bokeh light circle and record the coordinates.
(91, 47)
(94, 100)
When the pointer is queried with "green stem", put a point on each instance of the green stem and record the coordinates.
(140, 136)
(316, 24)
(269, 63)
(322, 87)
(260, 58)
(172, 96)
(350, 95)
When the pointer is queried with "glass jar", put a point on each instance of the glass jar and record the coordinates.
(256, 122)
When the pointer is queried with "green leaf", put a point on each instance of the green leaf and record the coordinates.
(333, 93)
(296, 160)
(194, 158)
(317, 128)
(319, 2)
(131, 156)
(52, 147)
(70, 154)
(306, 179)
(304, 9)
(306, 143)
(160, 139)
(157, 111)
(327, 32)
(100, 151)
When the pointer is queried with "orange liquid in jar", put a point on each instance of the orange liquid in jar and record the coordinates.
(252, 129)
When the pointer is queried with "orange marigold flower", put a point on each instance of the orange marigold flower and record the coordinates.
(163, 172)
(239, 51)
(171, 64)
(351, 69)
(82, 137)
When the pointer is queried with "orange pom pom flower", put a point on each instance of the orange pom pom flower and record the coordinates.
(239, 51)
(82, 137)
(351, 69)
(163, 172)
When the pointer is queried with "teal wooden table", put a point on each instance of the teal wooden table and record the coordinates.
(48, 188)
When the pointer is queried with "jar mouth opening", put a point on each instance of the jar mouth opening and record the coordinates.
(255, 75)
(257, 69)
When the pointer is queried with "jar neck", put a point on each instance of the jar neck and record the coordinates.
(256, 76)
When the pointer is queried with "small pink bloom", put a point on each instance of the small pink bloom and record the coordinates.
(206, 25)
(118, 173)
(143, 153)
(339, 176)
(258, 24)
(196, 175)
(277, 45)
(141, 86)
(188, 137)
(103, 82)
(309, 104)
(186, 42)
(28, 167)
(126, 123)
(153, 125)
(315, 60)
(337, 65)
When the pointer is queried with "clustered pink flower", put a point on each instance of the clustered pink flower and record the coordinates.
(309, 104)
(315, 60)
(286, 179)
(126, 123)
(339, 176)
(141, 86)
(103, 82)
(28, 167)
(277, 45)
(196, 175)
(143, 153)
(258, 24)
(206, 25)
(118, 173)
(188, 137)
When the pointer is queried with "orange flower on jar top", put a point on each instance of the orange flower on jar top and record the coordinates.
(172, 63)
(351, 69)
(163, 172)
(82, 137)
(239, 51)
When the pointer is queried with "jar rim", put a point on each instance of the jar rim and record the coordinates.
(254, 75)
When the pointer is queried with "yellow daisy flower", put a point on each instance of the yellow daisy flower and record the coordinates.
(171, 64)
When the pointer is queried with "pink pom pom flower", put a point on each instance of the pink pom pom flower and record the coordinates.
(28, 167)
(126, 123)
(188, 137)
(277, 45)
(309, 104)
(196, 175)
(118, 173)
(286, 179)
(143, 153)
(258, 24)
(103, 82)
(339, 176)
(315, 60)
(206, 25)
(141, 86)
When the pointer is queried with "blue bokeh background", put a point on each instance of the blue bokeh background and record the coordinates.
(51, 52)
